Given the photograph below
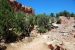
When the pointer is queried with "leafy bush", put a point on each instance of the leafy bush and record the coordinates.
(42, 30)
(42, 20)
(19, 23)
(43, 23)
(6, 20)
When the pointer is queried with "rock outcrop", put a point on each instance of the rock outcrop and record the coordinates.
(18, 7)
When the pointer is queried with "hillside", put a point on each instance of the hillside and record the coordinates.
(22, 29)
(63, 36)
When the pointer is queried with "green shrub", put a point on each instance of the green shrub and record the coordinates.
(42, 30)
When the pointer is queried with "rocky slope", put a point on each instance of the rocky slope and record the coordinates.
(61, 38)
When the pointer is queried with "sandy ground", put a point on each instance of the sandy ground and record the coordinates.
(36, 44)
(40, 43)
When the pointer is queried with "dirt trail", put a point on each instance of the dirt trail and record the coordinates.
(36, 44)
(40, 43)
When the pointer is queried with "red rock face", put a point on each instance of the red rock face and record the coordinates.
(18, 7)
(51, 47)
(56, 47)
